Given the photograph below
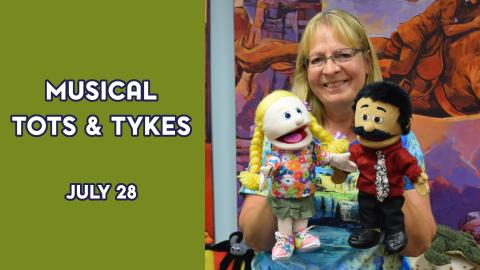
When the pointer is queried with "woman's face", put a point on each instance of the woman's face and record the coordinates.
(335, 83)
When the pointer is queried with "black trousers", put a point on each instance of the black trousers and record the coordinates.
(386, 215)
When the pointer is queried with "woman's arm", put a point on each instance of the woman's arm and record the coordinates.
(419, 223)
(257, 223)
(256, 220)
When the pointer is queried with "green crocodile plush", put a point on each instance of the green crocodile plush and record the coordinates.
(449, 241)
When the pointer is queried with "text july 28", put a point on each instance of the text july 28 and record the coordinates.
(100, 192)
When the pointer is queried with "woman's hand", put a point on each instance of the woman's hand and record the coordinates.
(419, 223)
(257, 223)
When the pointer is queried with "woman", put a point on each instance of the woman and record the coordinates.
(335, 60)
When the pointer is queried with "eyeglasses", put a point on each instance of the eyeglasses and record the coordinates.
(342, 55)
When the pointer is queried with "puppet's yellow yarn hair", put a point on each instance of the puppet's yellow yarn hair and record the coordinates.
(251, 177)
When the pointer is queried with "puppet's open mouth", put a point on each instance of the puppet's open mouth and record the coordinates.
(294, 137)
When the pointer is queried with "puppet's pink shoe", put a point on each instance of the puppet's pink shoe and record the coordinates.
(283, 248)
(304, 241)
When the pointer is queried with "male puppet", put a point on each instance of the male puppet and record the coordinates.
(382, 114)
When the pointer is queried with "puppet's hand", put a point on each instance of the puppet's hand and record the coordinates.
(342, 162)
(266, 170)
(421, 186)
(262, 182)
(265, 173)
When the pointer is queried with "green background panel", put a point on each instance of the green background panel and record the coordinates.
(162, 41)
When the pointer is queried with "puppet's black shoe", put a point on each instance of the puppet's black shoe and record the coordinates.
(365, 238)
(395, 242)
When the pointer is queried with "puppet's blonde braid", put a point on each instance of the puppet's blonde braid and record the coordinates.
(331, 145)
(250, 179)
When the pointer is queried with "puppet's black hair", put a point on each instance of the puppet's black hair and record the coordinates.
(390, 93)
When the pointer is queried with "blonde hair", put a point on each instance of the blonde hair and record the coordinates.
(250, 177)
(348, 29)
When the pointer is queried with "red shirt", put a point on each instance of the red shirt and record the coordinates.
(398, 161)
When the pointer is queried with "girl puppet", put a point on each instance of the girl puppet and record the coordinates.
(284, 120)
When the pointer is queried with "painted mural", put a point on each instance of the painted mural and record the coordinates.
(431, 48)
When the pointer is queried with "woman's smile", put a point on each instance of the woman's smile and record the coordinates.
(335, 85)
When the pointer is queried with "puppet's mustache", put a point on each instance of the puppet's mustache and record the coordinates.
(374, 135)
